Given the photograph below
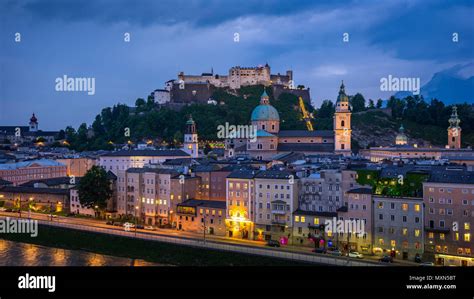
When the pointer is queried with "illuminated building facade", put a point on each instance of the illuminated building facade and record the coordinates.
(240, 203)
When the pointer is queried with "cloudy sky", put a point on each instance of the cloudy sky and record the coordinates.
(86, 39)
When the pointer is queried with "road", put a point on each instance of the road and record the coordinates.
(95, 223)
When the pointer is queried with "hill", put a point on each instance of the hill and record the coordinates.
(425, 123)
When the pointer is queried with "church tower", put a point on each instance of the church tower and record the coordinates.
(454, 130)
(33, 123)
(342, 124)
(191, 145)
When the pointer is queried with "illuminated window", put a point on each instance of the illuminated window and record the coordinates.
(417, 208)
(393, 243)
(467, 237)
(329, 233)
(417, 232)
(303, 219)
(380, 205)
(316, 221)
(297, 218)
(467, 226)
(456, 236)
(202, 211)
(405, 207)
(405, 231)
(381, 241)
(441, 236)
(430, 235)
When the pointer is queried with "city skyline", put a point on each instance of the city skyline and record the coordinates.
(88, 41)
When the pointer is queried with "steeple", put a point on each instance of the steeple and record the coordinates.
(454, 130)
(454, 119)
(33, 123)
(191, 145)
(264, 99)
(342, 97)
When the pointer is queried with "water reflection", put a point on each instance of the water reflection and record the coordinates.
(22, 254)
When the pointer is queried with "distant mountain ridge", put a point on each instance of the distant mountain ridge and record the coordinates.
(452, 86)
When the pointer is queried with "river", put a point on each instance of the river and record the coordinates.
(23, 254)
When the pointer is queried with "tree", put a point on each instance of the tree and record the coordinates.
(358, 103)
(94, 188)
(371, 104)
(326, 110)
(379, 104)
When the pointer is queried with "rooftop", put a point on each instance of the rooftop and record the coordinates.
(148, 153)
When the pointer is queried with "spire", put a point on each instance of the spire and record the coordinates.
(401, 129)
(33, 118)
(342, 94)
(454, 119)
(264, 99)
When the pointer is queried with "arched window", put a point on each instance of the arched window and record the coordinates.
(342, 123)
(263, 127)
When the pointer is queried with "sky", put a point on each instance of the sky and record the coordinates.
(86, 39)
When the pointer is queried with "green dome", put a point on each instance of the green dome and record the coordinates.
(265, 112)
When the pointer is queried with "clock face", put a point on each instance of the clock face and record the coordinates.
(455, 131)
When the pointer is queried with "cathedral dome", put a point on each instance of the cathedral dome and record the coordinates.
(265, 111)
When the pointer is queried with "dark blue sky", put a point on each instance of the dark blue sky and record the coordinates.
(85, 39)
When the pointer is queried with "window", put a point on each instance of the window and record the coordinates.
(303, 219)
(417, 232)
(467, 237)
(297, 218)
(316, 221)
(441, 236)
(405, 231)
(405, 207)
(430, 235)
(417, 208)
(380, 205)
(467, 226)
(393, 243)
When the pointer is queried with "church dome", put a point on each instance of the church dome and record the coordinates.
(265, 111)
(401, 138)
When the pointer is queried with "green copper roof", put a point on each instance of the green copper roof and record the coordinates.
(265, 112)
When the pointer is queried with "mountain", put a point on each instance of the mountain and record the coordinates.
(452, 85)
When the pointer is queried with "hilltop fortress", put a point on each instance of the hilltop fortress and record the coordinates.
(187, 89)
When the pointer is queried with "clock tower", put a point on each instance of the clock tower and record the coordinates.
(454, 130)
(342, 124)
(191, 145)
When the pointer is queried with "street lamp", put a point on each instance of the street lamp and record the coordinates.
(204, 226)
(96, 210)
(29, 207)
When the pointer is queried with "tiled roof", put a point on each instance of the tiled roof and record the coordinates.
(306, 147)
(216, 204)
(275, 174)
(304, 133)
(148, 153)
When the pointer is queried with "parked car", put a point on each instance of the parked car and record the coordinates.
(149, 227)
(139, 226)
(417, 258)
(118, 224)
(427, 264)
(386, 259)
(129, 225)
(319, 250)
(109, 223)
(335, 252)
(273, 243)
(356, 254)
